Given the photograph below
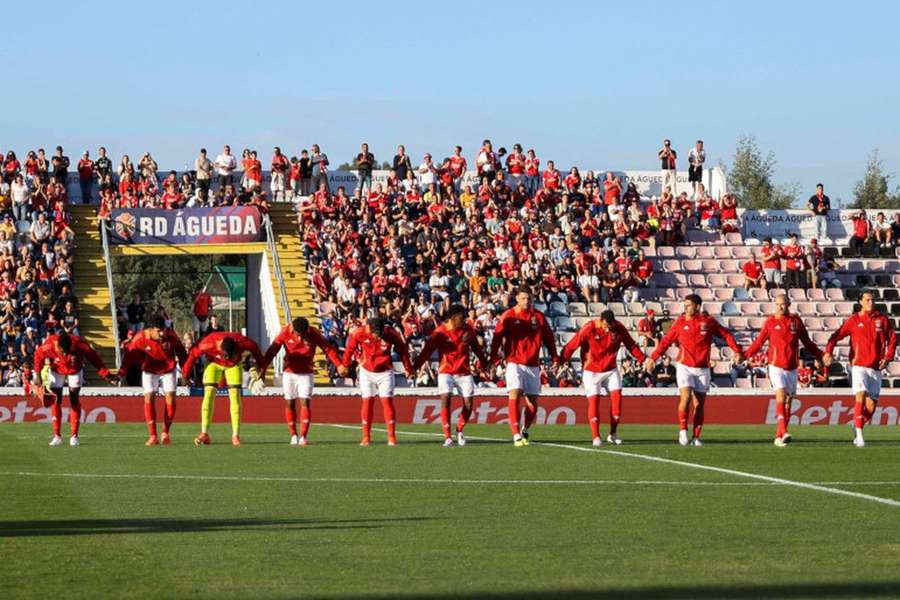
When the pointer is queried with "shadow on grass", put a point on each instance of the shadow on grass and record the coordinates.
(10, 529)
(870, 589)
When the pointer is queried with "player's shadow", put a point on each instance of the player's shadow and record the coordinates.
(69, 527)
(869, 589)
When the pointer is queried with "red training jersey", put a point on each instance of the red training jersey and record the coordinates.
(209, 347)
(68, 364)
(601, 345)
(694, 337)
(156, 357)
(784, 335)
(521, 334)
(454, 347)
(376, 352)
(299, 351)
(872, 339)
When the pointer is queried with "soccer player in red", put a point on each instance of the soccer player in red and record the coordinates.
(455, 342)
(66, 355)
(157, 349)
(521, 331)
(599, 342)
(693, 332)
(784, 332)
(300, 341)
(374, 342)
(225, 352)
(873, 343)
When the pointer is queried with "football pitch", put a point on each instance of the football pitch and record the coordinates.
(738, 518)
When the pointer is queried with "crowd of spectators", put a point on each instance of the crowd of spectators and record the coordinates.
(36, 259)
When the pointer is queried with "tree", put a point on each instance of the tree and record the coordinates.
(872, 190)
(750, 178)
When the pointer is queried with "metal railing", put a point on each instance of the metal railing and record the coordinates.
(279, 275)
(112, 291)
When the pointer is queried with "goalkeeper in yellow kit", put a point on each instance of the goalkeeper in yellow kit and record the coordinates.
(225, 352)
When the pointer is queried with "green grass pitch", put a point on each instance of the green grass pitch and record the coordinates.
(113, 518)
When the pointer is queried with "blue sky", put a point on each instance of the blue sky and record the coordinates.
(584, 83)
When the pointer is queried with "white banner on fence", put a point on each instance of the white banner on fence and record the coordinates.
(779, 224)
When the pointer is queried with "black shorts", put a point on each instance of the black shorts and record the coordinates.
(695, 174)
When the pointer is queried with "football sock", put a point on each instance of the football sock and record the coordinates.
(858, 415)
(514, 415)
(387, 406)
(698, 421)
(305, 418)
(866, 414)
(530, 414)
(787, 413)
(445, 421)
(207, 407)
(75, 416)
(290, 417)
(366, 414)
(593, 419)
(779, 420)
(170, 416)
(150, 416)
(464, 415)
(615, 410)
(234, 396)
(56, 417)
(682, 419)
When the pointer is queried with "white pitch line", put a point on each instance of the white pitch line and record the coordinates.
(690, 465)
(609, 482)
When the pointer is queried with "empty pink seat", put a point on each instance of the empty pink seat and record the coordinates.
(894, 369)
(729, 266)
(705, 252)
(717, 280)
(767, 308)
(796, 295)
(875, 265)
(756, 323)
(733, 239)
(713, 308)
(681, 280)
(721, 367)
(726, 352)
(683, 292)
(722, 252)
(711, 265)
(831, 324)
(721, 293)
(825, 309)
(843, 309)
(814, 323)
(696, 280)
(820, 338)
(805, 309)
(750, 308)
(834, 294)
(692, 266)
(706, 294)
(671, 265)
(665, 251)
(674, 308)
(735, 279)
(741, 253)
(650, 251)
(737, 322)
(759, 295)
(685, 252)
(815, 295)
(743, 383)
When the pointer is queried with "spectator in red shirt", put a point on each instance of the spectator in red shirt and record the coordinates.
(753, 273)
(573, 180)
(86, 177)
(648, 329)
(551, 177)
(862, 232)
(793, 264)
(532, 172)
(771, 259)
(612, 189)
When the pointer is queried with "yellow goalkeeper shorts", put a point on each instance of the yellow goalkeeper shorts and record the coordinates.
(213, 373)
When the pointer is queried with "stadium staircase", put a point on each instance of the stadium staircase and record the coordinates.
(298, 287)
(94, 319)
(710, 265)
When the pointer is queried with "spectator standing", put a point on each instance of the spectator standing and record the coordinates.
(86, 177)
(819, 204)
(204, 168)
(103, 166)
(667, 157)
(458, 166)
(402, 163)
(304, 166)
(319, 168)
(20, 194)
(771, 259)
(895, 229)
(532, 172)
(813, 263)
(793, 263)
(365, 162)
(696, 158)
(862, 231)
(135, 312)
(226, 163)
(427, 173)
(486, 162)
(280, 166)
